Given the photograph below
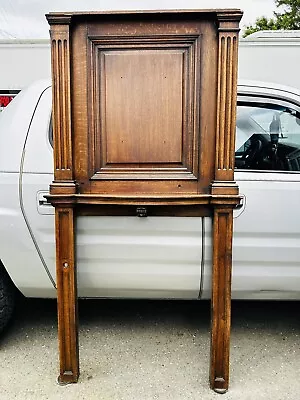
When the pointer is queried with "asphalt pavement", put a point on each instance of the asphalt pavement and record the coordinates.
(148, 350)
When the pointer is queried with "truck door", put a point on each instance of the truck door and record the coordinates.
(134, 257)
(266, 242)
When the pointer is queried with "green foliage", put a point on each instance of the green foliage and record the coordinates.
(261, 24)
(290, 17)
(287, 17)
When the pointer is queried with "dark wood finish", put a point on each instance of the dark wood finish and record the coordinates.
(64, 214)
(166, 147)
(138, 138)
(60, 55)
(229, 14)
(66, 294)
(144, 108)
(221, 298)
(226, 107)
(129, 142)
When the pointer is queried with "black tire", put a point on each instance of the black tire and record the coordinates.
(7, 299)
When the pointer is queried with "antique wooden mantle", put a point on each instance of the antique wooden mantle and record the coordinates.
(144, 106)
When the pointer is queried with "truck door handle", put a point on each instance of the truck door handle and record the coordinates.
(44, 203)
(241, 209)
(43, 206)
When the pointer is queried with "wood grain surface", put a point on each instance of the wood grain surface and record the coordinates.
(144, 108)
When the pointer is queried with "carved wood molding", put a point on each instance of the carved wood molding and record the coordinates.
(117, 162)
(62, 197)
(226, 98)
(61, 110)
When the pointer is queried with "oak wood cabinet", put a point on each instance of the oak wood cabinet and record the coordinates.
(144, 108)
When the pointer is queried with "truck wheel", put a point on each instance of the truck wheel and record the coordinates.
(7, 298)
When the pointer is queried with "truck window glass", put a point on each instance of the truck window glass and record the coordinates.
(267, 138)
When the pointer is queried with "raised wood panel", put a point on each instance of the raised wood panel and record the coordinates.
(199, 42)
(145, 122)
(143, 106)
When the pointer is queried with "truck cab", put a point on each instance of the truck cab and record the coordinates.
(158, 257)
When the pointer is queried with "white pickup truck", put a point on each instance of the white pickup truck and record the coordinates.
(155, 257)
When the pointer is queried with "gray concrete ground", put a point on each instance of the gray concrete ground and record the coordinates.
(148, 350)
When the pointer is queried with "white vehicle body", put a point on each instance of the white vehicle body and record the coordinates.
(23, 62)
(272, 56)
(153, 257)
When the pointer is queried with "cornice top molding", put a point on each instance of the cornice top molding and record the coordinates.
(59, 18)
(228, 14)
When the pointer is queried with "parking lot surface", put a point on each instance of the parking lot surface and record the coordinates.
(147, 350)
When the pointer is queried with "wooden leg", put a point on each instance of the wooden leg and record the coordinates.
(66, 295)
(221, 298)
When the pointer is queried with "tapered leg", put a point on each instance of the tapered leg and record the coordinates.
(66, 295)
(221, 298)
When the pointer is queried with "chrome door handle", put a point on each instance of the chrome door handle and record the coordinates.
(44, 203)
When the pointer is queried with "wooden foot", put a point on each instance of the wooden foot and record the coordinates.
(221, 298)
(66, 295)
